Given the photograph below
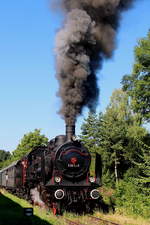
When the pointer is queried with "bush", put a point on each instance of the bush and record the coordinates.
(129, 197)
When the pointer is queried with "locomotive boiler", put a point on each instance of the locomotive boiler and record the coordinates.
(57, 175)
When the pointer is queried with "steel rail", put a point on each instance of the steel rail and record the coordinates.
(70, 222)
(106, 222)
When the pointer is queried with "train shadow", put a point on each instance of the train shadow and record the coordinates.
(89, 207)
(12, 213)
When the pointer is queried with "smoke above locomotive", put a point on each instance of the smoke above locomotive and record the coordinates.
(86, 38)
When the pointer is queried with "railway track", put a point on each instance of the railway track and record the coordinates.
(91, 220)
(70, 222)
(104, 222)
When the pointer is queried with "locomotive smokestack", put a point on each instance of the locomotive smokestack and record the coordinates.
(70, 131)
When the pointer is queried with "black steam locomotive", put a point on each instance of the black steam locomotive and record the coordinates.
(57, 175)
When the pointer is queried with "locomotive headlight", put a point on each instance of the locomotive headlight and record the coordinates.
(94, 194)
(59, 194)
(92, 179)
(57, 179)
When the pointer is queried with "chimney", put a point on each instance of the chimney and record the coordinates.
(70, 131)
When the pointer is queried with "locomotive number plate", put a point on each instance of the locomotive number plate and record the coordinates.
(73, 165)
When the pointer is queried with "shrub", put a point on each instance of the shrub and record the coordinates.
(129, 197)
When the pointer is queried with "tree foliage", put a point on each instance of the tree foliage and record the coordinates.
(113, 135)
(90, 131)
(131, 198)
(4, 155)
(137, 84)
(29, 141)
(133, 193)
(143, 164)
(116, 120)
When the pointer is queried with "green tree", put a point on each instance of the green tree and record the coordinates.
(133, 193)
(91, 138)
(143, 164)
(137, 84)
(106, 134)
(4, 155)
(113, 135)
(131, 199)
(117, 132)
(29, 141)
(116, 121)
(90, 131)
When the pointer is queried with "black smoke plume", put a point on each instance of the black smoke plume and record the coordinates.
(88, 36)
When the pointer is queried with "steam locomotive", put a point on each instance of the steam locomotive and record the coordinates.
(57, 175)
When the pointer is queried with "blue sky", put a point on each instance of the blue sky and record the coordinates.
(27, 66)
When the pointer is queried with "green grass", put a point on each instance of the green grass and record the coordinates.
(11, 213)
